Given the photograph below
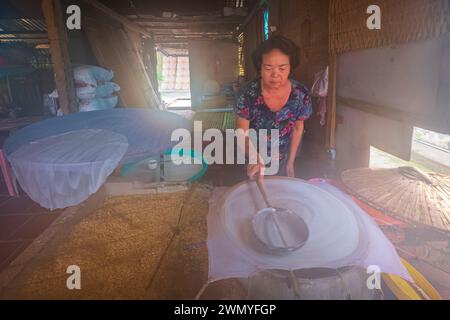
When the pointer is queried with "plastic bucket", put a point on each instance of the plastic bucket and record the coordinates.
(189, 172)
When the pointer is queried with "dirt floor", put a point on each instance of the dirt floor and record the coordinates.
(138, 247)
(154, 247)
(135, 247)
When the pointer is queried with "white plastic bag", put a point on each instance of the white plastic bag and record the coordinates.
(320, 90)
(106, 90)
(92, 74)
(320, 86)
(98, 104)
(86, 91)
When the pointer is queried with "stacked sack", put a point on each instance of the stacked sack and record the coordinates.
(95, 89)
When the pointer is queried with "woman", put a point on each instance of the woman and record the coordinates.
(275, 101)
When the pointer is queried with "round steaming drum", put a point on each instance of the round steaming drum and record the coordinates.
(310, 284)
(337, 237)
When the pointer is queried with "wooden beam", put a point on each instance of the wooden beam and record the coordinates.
(57, 37)
(193, 35)
(184, 35)
(23, 32)
(119, 18)
(180, 45)
(182, 40)
(198, 27)
(187, 20)
(23, 38)
(190, 30)
(392, 113)
(178, 41)
(189, 34)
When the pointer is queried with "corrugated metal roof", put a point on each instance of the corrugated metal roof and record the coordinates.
(24, 25)
(24, 29)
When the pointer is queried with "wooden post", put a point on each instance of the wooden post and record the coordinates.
(331, 112)
(274, 16)
(8, 85)
(133, 40)
(151, 63)
(330, 138)
(57, 36)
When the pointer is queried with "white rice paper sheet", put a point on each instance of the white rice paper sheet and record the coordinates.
(229, 258)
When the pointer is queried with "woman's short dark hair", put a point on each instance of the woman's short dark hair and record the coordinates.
(281, 43)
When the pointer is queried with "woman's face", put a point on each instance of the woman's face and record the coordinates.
(275, 69)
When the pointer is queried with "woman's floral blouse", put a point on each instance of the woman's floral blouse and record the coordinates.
(250, 105)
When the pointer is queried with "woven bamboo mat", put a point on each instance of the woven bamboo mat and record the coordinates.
(402, 21)
(216, 120)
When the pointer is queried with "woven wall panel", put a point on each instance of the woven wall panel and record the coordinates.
(401, 21)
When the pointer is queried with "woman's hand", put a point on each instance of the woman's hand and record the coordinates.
(255, 171)
(290, 172)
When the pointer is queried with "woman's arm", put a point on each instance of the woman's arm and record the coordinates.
(253, 170)
(296, 138)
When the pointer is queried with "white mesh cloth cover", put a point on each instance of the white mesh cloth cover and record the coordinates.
(340, 233)
(65, 169)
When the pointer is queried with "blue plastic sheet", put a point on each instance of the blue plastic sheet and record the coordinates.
(148, 131)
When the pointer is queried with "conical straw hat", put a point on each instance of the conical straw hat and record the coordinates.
(405, 192)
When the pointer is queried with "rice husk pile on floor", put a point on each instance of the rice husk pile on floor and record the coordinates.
(132, 247)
